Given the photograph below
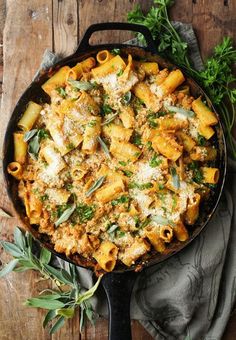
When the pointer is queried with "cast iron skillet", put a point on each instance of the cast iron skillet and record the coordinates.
(118, 285)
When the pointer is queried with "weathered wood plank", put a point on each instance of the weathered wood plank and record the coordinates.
(65, 26)
(212, 20)
(26, 35)
(106, 11)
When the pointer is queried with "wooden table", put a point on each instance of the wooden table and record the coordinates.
(31, 26)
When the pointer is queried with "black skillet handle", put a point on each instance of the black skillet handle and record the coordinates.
(118, 288)
(123, 26)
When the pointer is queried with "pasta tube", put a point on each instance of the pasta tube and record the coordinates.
(124, 151)
(135, 251)
(210, 175)
(143, 92)
(57, 80)
(15, 169)
(167, 146)
(173, 80)
(104, 56)
(106, 255)
(20, 147)
(205, 115)
(30, 116)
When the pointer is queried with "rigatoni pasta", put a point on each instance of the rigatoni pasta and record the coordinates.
(118, 163)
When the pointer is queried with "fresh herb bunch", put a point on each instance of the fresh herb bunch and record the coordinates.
(217, 76)
(67, 295)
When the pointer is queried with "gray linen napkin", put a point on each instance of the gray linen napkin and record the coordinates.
(191, 295)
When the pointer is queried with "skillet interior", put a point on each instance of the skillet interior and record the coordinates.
(35, 93)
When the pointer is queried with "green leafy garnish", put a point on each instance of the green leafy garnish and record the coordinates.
(104, 147)
(95, 186)
(61, 92)
(187, 113)
(175, 178)
(143, 186)
(30, 134)
(82, 85)
(127, 98)
(121, 200)
(106, 109)
(35, 136)
(65, 215)
(127, 173)
(66, 294)
(155, 161)
(197, 173)
(110, 119)
(151, 118)
(84, 212)
(201, 140)
(137, 139)
(119, 73)
(162, 220)
(115, 51)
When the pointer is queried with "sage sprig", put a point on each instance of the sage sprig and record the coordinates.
(162, 220)
(65, 215)
(110, 119)
(95, 186)
(186, 113)
(66, 296)
(82, 85)
(175, 178)
(104, 147)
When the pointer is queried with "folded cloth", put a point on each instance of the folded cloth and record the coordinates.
(190, 295)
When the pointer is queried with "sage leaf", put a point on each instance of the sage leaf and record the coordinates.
(51, 314)
(8, 268)
(66, 312)
(82, 85)
(60, 274)
(104, 147)
(45, 256)
(57, 325)
(30, 134)
(187, 113)
(66, 215)
(162, 220)
(127, 97)
(12, 249)
(44, 303)
(110, 119)
(33, 147)
(49, 297)
(3, 213)
(175, 178)
(95, 186)
(19, 238)
(87, 295)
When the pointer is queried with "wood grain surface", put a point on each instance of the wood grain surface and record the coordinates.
(27, 28)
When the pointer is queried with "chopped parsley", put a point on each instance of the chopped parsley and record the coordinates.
(92, 123)
(106, 109)
(137, 139)
(121, 200)
(70, 146)
(119, 73)
(61, 92)
(127, 97)
(115, 51)
(122, 163)
(84, 212)
(134, 185)
(197, 173)
(127, 173)
(151, 117)
(149, 146)
(201, 140)
(43, 198)
(155, 161)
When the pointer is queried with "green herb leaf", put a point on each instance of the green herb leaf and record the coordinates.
(176, 109)
(33, 147)
(61, 274)
(66, 312)
(82, 85)
(46, 304)
(19, 238)
(175, 178)
(136, 139)
(104, 147)
(84, 212)
(29, 134)
(51, 314)
(120, 200)
(162, 220)
(61, 92)
(87, 295)
(66, 215)
(110, 119)
(201, 140)
(45, 256)
(127, 97)
(12, 249)
(154, 161)
(127, 173)
(95, 186)
(115, 51)
(57, 325)
(8, 268)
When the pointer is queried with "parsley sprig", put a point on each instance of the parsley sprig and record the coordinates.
(66, 295)
(216, 78)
